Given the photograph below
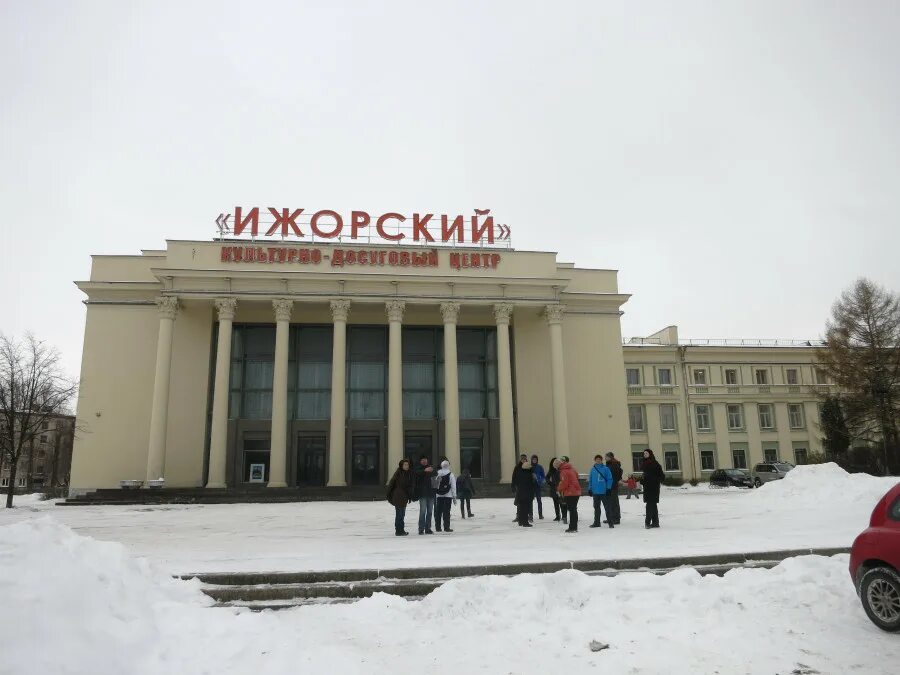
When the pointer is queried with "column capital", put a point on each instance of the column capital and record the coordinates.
(395, 309)
(340, 310)
(503, 312)
(167, 305)
(554, 313)
(226, 307)
(283, 308)
(450, 311)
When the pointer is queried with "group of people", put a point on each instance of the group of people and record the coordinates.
(437, 491)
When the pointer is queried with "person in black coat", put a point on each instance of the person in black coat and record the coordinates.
(552, 482)
(515, 478)
(652, 482)
(524, 486)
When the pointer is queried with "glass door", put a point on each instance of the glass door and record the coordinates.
(311, 460)
(365, 455)
(416, 444)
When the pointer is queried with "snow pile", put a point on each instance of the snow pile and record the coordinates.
(826, 484)
(76, 605)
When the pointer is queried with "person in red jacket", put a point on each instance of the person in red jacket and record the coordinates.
(570, 490)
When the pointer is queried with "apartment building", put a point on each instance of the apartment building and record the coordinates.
(45, 463)
(708, 404)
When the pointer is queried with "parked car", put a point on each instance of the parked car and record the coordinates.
(769, 471)
(875, 563)
(730, 478)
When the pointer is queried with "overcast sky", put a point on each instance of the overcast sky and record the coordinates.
(738, 162)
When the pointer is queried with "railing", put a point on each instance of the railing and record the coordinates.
(723, 389)
(726, 342)
(652, 390)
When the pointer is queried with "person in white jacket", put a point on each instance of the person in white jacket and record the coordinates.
(444, 496)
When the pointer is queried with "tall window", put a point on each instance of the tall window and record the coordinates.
(795, 413)
(667, 416)
(476, 350)
(821, 377)
(423, 372)
(366, 376)
(739, 455)
(421, 350)
(699, 376)
(636, 417)
(633, 376)
(252, 367)
(762, 376)
(309, 381)
(664, 375)
(637, 458)
(791, 374)
(800, 455)
(766, 416)
(770, 451)
(731, 376)
(703, 414)
(670, 456)
(735, 416)
(707, 456)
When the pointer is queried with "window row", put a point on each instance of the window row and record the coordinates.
(663, 376)
(739, 454)
(703, 417)
(310, 372)
(670, 457)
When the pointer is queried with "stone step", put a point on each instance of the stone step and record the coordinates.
(280, 590)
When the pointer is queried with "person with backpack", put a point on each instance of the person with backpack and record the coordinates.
(540, 478)
(599, 485)
(652, 480)
(465, 490)
(569, 490)
(399, 493)
(524, 492)
(615, 468)
(424, 493)
(444, 496)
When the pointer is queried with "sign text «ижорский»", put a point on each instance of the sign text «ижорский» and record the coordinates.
(328, 224)
(350, 257)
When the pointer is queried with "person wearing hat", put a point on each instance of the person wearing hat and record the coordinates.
(615, 468)
(569, 490)
(524, 492)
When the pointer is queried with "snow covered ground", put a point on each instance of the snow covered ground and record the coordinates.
(77, 605)
(89, 590)
(815, 506)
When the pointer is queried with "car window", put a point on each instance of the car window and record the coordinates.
(784, 467)
(894, 512)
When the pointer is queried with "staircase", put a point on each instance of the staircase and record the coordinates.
(280, 590)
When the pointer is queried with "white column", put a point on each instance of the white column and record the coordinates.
(395, 310)
(450, 312)
(156, 455)
(278, 446)
(554, 314)
(337, 473)
(219, 428)
(502, 314)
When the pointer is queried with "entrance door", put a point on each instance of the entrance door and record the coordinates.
(471, 452)
(365, 455)
(416, 444)
(310, 460)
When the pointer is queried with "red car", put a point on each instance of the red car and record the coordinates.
(875, 563)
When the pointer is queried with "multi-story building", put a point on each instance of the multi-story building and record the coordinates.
(46, 462)
(708, 404)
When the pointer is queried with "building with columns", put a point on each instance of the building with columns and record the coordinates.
(225, 365)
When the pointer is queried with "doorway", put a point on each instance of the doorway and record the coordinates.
(311, 460)
(416, 444)
(365, 455)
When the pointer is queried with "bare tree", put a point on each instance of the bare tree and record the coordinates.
(862, 356)
(33, 390)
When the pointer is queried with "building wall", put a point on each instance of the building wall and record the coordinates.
(686, 393)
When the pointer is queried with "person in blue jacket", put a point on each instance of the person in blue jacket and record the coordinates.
(600, 486)
(540, 478)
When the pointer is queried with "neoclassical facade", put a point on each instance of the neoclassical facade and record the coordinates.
(229, 364)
